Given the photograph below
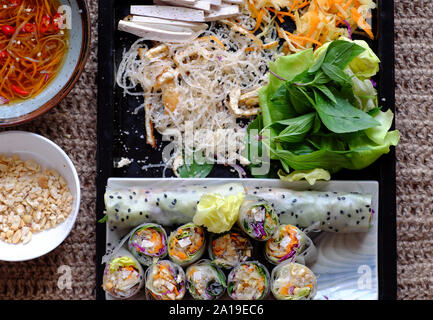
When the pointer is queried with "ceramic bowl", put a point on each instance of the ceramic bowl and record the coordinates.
(32, 146)
(79, 38)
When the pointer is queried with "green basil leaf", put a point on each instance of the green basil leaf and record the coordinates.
(297, 128)
(300, 99)
(340, 53)
(328, 93)
(342, 117)
(195, 170)
(337, 75)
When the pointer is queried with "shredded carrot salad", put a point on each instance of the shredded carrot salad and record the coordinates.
(316, 21)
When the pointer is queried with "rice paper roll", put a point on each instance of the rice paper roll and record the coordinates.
(165, 280)
(293, 281)
(148, 242)
(132, 207)
(342, 212)
(228, 249)
(187, 244)
(290, 243)
(123, 276)
(258, 219)
(248, 281)
(205, 281)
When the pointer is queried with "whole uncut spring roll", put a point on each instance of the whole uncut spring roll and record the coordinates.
(342, 212)
(123, 276)
(205, 281)
(228, 249)
(132, 207)
(148, 242)
(187, 244)
(165, 280)
(248, 281)
(290, 243)
(258, 219)
(293, 281)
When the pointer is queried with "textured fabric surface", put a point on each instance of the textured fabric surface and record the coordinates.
(414, 99)
(72, 125)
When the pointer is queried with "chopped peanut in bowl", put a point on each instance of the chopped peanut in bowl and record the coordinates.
(32, 199)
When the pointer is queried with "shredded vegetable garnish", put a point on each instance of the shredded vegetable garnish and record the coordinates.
(316, 21)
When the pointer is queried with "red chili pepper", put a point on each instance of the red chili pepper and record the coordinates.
(14, 3)
(45, 24)
(29, 28)
(3, 55)
(19, 91)
(57, 21)
(8, 30)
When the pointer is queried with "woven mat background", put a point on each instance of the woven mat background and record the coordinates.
(72, 125)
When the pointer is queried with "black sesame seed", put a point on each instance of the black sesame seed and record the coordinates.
(294, 200)
(341, 211)
(357, 222)
(296, 216)
(338, 198)
(114, 227)
(141, 213)
(328, 213)
(292, 214)
(145, 200)
(117, 210)
(357, 211)
(123, 219)
(134, 193)
(367, 206)
(329, 218)
(326, 195)
(129, 210)
(147, 216)
(283, 196)
(349, 215)
(130, 197)
(255, 192)
(111, 197)
(119, 197)
(362, 218)
(127, 217)
(330, 227)
(231, 188)
(270, 189)
(369, 210)
(165, 196)
(157, 204)
(336, 230)
(343, 198)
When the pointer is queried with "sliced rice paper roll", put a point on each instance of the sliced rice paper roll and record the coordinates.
(258, 219)
(165, 280)
(342, 212)
(132, 207)
(187, 244)
(205, 281)
(228, 249)
(123, 276)
(290, 243)
(248, 281)
(148, 242)
(293, 281)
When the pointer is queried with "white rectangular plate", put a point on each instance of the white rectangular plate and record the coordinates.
(347, 264)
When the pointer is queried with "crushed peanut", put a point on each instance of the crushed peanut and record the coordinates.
(32, 199)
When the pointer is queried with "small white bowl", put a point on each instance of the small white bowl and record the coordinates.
(32, 146)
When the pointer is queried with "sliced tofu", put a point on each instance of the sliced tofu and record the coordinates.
(200, 5)
(167, 24)
(222, 12)
(169, 12)
(234, 1)
(157, 34)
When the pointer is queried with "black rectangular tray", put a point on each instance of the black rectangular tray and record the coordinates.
(121, 134)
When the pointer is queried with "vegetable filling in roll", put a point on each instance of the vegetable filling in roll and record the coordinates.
(258, 220)
(149, 241)
(187, 244)
(205, 281)
(286, 243)
(230, 248)
(248, 281)
(293, 281)
(123, 277)
(165, 280)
